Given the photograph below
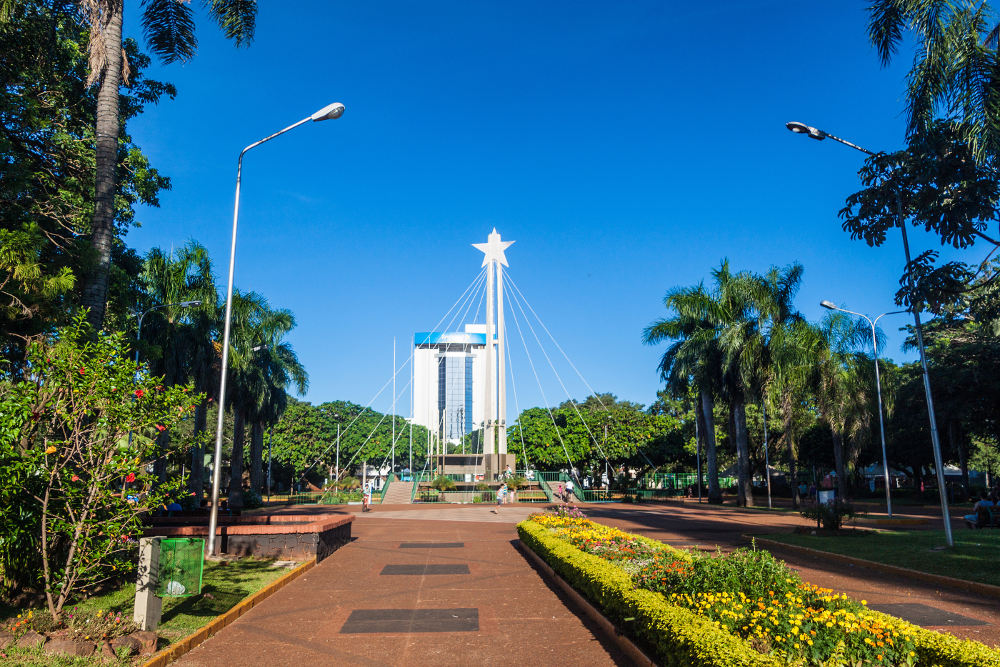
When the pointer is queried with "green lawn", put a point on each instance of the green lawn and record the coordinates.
(974, 557)
(225, 584)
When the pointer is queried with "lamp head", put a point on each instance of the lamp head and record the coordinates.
(330, 111)
(801, 128)
(190, 304)
(828, 304)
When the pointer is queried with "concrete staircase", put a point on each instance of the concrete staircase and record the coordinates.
(398, 493)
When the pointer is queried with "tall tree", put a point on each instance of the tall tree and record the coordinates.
(843, 392)
(262, 365)
(179, 341)
(168, 26)
(695, 358)
(955, 73)
(47, 158)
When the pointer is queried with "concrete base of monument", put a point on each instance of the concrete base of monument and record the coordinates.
(475, 467)
(286, 537)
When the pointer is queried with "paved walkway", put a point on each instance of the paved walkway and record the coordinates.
(351, 610)
(348, 611)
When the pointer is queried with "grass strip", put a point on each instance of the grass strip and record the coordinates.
(973, 558)
(225, 584)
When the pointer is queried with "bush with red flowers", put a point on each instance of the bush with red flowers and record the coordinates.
(75, 455)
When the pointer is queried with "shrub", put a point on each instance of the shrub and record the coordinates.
(482, 486)
(443, 483)
(830, 515)
(517, 482)
(252, 499)
(804, 625)
(755, 574)
(78, 435)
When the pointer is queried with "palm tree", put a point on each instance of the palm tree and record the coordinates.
(954, 63)
(693, 357)
(168, 26)
(794, 351)
(179, 340)
(785, 349)
(262, 365)
(843, 392)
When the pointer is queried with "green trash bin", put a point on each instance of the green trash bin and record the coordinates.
(182, 562)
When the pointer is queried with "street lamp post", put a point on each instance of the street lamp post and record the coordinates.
(878, 390)
(328, 112)
(819, 135)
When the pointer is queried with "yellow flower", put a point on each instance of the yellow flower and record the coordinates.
(51, 449)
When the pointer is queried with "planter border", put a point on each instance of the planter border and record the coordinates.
(988, 590)
(608, 629)
(182, 646)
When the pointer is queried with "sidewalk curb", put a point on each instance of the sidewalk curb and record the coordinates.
(607, 628)
(987, 590)
(182, 646)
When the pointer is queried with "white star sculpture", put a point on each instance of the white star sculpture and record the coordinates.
(493, 248)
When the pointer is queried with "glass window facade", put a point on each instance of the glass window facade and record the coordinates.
(455, 395)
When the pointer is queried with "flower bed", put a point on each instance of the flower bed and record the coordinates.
(745, 608)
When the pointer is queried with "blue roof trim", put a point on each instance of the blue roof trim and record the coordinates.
(458, 337)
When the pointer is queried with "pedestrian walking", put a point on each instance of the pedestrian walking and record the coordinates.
(501, 494)
(366, 497)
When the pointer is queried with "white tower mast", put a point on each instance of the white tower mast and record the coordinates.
(501, 368)
(489, 440)
(494, 258)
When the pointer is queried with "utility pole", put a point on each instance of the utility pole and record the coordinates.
(393, 468)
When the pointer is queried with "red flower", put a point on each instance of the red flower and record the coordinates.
(75, 478)
(161, 428)
(139, 393)
(82, 371)
(124, 538)
(130, 477)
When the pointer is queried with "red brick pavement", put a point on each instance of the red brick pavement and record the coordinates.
(520, 617)
(521, 620)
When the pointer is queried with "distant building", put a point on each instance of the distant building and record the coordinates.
(448, 377)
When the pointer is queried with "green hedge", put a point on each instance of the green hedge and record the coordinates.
(679, 637)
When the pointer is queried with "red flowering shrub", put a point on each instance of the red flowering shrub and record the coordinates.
(75, 458)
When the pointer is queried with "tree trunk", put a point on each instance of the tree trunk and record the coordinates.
(708, 431)
(838, 462)
(793, 449)
(257, 457)
(958, 445)
(95, 289)
(160, 463)
(196, 483)
(236, 461)
(744, 490)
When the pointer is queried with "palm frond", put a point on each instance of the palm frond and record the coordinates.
(168, 26)
(237, 18)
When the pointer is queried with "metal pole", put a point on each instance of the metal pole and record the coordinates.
(338, 451)
(881, 421)
(878, 391)
(767, 461)
(935, 441)
(270, 439)
(213, 517)
(393, 468)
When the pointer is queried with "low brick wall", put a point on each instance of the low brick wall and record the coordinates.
(289, 537)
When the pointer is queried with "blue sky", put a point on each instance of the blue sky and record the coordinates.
(626, 147)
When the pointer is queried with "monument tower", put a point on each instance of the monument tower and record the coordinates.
(495, 409)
